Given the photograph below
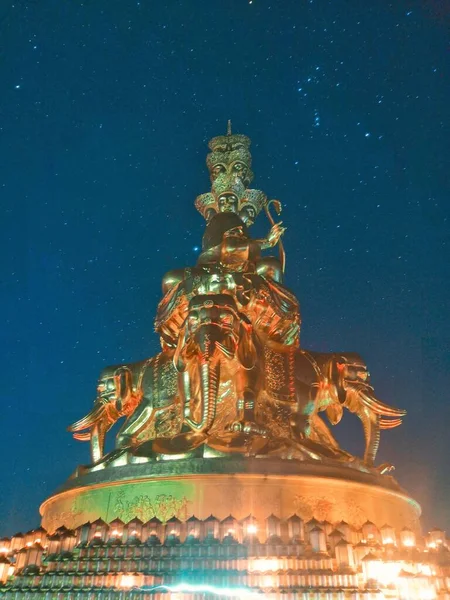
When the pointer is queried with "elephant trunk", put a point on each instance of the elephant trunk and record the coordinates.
(210, 353)
(210, 374)
(97, 413)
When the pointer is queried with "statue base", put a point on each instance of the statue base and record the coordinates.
(234, 485)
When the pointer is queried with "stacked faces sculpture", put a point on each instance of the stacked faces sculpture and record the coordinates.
(232, 376)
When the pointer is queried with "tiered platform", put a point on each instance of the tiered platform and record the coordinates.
(197, 559)
(233, 485)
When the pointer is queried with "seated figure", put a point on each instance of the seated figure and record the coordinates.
(231, 263)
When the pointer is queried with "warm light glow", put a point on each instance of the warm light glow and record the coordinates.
(115, 533)
(410, 589)
(230, 532)
(264, 564)
(388, 572)
(211, 589)
(29, 544)
(431, 544)
(3, 550)
(408, 543)
(134, 532)
(37, 541)
(385, 573)
(252, 528)
(97, 534)
(127, 581)
(426, 569)
(173, 532)
(268, 581)
(388, 541)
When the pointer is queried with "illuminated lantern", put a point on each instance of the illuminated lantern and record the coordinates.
(99, 530)
(388, 535)
(346, 530)
(435, 538)
(250, 529)
(317, 539)
(211, 528)
(407, 538)
(17, 542)
(116, 528)
(371, 565)
(153, 530)
(54, 543)
(229, 527)
(370, 532)
(5, 566)
(344, 555)
(5, 545)
(172, 531)
(311, 524)
(193, 528)
(133, 529)
(31, 555)
(273, 528)
(296, 528)
(360, 551)
(83, 533)
(335, 537)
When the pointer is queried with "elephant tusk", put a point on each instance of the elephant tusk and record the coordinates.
(390, 424)
(82, 437)
(378, 407)
(89, 420)
(226, 351)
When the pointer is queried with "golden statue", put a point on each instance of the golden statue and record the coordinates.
(231, 376)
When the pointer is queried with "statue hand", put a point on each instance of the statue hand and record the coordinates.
(275, 233)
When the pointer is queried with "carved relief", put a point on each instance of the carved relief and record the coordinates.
(162, 506)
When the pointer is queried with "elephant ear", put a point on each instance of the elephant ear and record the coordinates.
(334, 413)
(246, 351)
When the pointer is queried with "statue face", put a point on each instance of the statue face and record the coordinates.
(228, 203)
(248, 215)
(217, 170)
(239, 169)
(229, 169)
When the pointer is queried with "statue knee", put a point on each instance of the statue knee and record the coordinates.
(270, 268)
(171, 279)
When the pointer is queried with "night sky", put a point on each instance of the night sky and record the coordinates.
(105, 112)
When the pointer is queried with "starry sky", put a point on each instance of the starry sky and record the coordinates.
(106, 109)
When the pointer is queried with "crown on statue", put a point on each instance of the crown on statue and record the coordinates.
(228, 142)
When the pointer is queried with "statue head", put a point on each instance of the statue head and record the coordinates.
(228, 202)
(230, 157)
(229, 165)
(248, 214)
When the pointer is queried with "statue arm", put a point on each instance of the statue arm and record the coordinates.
(272, 237)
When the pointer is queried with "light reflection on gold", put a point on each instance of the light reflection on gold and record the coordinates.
(231, 376)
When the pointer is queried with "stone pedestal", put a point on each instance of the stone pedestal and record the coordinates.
(237, 486)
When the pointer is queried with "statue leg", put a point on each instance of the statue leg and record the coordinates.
(247, 389)
(371, 426)
(323, 433)
(98, 441)
(134, 425)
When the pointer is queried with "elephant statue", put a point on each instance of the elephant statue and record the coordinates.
(236, 386)
(225, 387)
(145, 392)
(345, 383)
